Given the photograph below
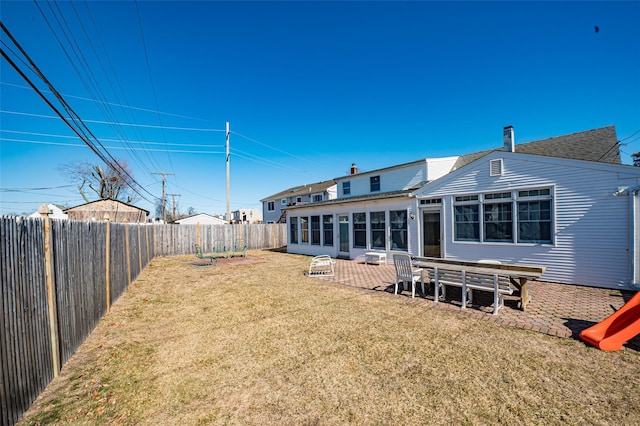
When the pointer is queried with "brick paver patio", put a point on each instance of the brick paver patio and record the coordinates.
(555, 309)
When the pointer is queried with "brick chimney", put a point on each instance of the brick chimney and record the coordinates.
(354, 169)
(508, 139)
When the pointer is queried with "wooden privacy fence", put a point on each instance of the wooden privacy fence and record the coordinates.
(60, 277)
(180, 239)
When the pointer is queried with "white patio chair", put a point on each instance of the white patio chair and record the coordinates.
(322, 265)
(405, 272)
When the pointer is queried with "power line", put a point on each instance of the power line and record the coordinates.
(80, 127)
(150, 126)
(153, 89)
(178, 151)
(631, 135)
(127, 106)
(110, 140)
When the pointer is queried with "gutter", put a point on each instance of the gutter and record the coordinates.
(355, 199)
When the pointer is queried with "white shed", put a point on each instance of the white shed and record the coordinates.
(200, 218)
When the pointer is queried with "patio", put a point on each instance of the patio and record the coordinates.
(555, 309)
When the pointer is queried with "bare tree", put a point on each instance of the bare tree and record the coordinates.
(636, 159)
(105, 181)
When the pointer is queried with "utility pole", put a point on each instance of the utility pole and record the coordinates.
(164, 209)
(173, 204)
(228, 195)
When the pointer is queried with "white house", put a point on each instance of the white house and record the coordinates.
(274, 205)
(565, 203)
(55, 212)
(247, 216)
(200, 218)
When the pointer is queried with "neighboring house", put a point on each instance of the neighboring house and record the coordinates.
(112, 210)
(200, 218)
(55, 212)
(565, 203)
(246, 216)
(274, 205)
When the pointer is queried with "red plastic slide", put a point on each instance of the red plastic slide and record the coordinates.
(611, 333)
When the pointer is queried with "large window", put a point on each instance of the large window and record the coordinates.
(378, 230)
(375, 183)
(498, 217)
(304, 229)
(467, 218)
(534, 216)
(359, 230)
(327, 229)
(315, 230)
(317, 197)
(271, 206)
(346, 188)
(533, 222)
(398, 221)
(293, 230)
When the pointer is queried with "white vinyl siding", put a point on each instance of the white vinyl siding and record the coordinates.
(589, 226)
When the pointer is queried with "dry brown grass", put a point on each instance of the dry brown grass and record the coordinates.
(257, 344)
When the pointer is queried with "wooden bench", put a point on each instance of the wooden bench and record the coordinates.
(322, 265)
(498, 278)
(377, 257)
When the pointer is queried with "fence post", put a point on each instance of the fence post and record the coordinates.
(108, 260)
(146, 239)
(275, 235)
(126, 239)
(139, 248)
(51, 295)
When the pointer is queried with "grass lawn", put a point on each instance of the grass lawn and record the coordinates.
(259, 343)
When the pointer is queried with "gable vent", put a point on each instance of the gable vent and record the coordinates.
(495, 167)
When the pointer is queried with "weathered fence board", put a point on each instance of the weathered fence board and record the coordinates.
(173, 240)
(79, 269)
(25, 357)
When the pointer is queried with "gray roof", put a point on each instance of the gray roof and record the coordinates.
(599, 145)
(310, 188)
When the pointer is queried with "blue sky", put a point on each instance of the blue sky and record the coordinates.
(308, 88)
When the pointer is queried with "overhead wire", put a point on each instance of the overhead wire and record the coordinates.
(93, 88)
(153, 89)
(78, 126)
(111, 140)
(127, 111)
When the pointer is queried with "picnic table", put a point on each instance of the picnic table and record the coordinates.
(518, 275)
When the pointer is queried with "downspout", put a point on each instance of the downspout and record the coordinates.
(635, 236)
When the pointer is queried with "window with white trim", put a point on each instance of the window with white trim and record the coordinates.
(271, 206)
(327, 229)
(375, 183)
(283, 202)
(535, 216)
(293, 230)
(378, 230)
(317, 197)
(304, 229)
(315, 230)
(520, 216)
(398, 222)
(346, 188)
(498, 217)
(467, 218)
(359, 230)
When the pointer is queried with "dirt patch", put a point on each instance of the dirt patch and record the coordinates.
(222, 262)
